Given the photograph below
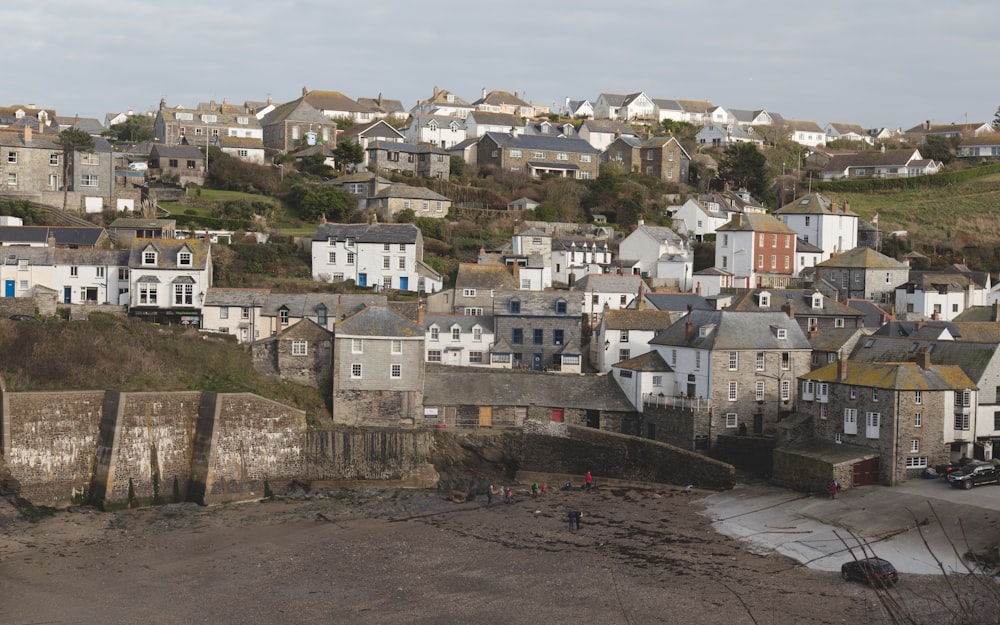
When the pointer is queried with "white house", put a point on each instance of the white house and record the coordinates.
(943, 294)
(235, 312)
(697, 218)
(601, 292)
(385, 256)
(578, 108)
(721, 135)
(805, 132)
(168, 279)
(658, 253)
(600, 133)
(575, 257)
(458, 340)
(817, 220)
(625, 334)
(79, 276)
(440, 130)
(847, 132)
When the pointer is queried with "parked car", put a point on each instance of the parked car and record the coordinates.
(974, 474)
(875, 572)
(24, 318)
(138, 166)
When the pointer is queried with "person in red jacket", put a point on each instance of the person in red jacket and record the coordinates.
(588, 481)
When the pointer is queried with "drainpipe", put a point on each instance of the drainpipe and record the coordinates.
(895, 439)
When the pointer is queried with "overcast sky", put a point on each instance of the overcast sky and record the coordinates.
(891, 63)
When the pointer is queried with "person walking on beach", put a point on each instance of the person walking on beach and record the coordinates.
(832, 490)
(492, 490)
(588, 481)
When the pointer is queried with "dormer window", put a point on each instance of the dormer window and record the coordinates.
(817, 300)
(149, 257)
(765, 299)
(456, 333)
(184, 258)
(515, 306)
(434, 333)
(321, 314)
(283, 316)
(561, 307)
(781, 333)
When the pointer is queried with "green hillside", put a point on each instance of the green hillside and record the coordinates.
(958, 222)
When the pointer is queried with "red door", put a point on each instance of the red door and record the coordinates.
(558, 415)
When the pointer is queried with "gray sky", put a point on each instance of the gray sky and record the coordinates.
(888, 63)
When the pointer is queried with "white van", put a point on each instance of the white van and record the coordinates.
(138, 166)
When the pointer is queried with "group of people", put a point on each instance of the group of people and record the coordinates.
(505, 492)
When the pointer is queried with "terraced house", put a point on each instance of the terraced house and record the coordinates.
(538, 155)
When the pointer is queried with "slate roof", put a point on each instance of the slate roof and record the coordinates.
(400, 190)
(608, 126)
(495, 119)
(801, 299)
(898, 376)
(64, 235)
(499, 98)
(862, 257)
(734, 331)
(874, 158)
(382, 105)
(973, 358)
(802, 125)
(295, 111)
(490, 277)
(641, 320)
(833, 340)
(813, 204)
(406, 148)
(956, 277)
(176, 151)
(167, 250)
(676, 302)
(92, 257)
(754, 222)
(244, 298)
(378, 321)
(845, 129)
(377, 128)
(801, 245)
(480, 386)
(875, 316)
(661, 234)
(577, 243)
(334, 101)
(540, 142)
(650, 361)
(368, 233)
(305, 304)
(141, 222)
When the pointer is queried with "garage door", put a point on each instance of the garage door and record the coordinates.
(866, 472)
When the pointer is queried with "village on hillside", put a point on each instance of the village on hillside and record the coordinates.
(801, 351)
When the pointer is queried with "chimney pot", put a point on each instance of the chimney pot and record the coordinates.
(842, 369)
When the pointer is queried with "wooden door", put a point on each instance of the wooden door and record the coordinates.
(486, 416)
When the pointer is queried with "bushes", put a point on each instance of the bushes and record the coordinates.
(869, 185)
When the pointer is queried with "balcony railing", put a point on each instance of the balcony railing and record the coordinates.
(685, 403)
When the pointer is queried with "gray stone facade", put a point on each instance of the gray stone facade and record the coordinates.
(532, 322)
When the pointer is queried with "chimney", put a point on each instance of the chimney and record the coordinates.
(420, 315)
(927, 125)
(935, 316)
(842, 369)
(304, 90)
(379, 99)
(517, 274)
(697, 288)
(788, 308)
(27, 133)
(688, 327)
(640, 304)
(923, 359)
(484, 93)
(995, 313)
(435, 90)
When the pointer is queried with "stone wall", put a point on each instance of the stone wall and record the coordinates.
(366, 454)
(377, 408)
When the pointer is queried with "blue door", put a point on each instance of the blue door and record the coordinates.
(8, 288)
(67, 295)
(362, 279)
(404, 284)
(536, 362)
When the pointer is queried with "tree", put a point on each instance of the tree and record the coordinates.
(456, 166)
(348, 153)
(72, 140)
(134, 129)
(311, 201)
(744, 167)
(996, 119)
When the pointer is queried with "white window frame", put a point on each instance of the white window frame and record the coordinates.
(850, 420)
(395, 371)
(396, 346)
(357, 371)
(300, 347)
(734, 361)
(357, 346)
(731, 420)
(733, 391)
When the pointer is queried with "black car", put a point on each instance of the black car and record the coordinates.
(975, 474)
(875, 572)
(24, 318)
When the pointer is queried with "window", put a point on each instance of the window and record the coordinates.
(732, 391)
(74, 271)
(12, 158)
(396, 346)
(657, 380)
(472, 312)
(914, 445)
(838, 322)
(456, 334)
(357, 346)
(624, 373)
(515, 306)
(734, 360)
(395, 371)
(918, 397)
(786, 390)
(184, 295)
(537, 336)
(558, 337)
(184, 259)
(874, 394)
(147, 293)
(539, 154)
(758, 389)
(350, 258)
(697, 360)
(962, 421)
(402, 263)
(854, 392)
(338, 277)
(300, 347)
(515, 153)
(916, 462)
(760, 261)
(356, 370)
(333, 258)
(918, 419)
(560, 307)
(585, 158)
(562, 156)
(517, 336)
(89, 180)
(435, 331)
(624, 354)
(873, 420)
(386, 282)
(244, 313)
(468, 292)
(149, 257)
(385, 262)
(786, 361)
(283, 316)
(224, 312)
(850, 420)
(673, 358)
(54, 158)
(782, 333)
(731, 419)
(434, 355)
(760, 361)
(12, 179)
(475, 357)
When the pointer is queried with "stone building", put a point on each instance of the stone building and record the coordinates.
(863, 273)
(303, 354)
(378, 369)
(537, 155)
(537, 329)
